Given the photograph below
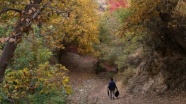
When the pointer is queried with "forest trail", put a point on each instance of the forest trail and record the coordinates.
(91, 88)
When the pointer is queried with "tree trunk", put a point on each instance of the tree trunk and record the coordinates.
(22, 26)
(5, 57)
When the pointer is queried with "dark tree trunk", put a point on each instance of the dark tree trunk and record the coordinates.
(5, 57)
(60, 52)
(22, 26)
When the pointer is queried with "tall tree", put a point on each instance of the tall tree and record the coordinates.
(64, 21)
(27, 16)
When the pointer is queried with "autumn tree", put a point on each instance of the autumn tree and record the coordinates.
(116, 4)
(161, 22)
(62, 22)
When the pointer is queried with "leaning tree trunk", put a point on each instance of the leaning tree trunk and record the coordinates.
(5, 57)
(22, 26)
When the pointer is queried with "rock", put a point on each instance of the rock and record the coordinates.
(142, 83)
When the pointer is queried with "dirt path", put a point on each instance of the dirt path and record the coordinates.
(90, 88)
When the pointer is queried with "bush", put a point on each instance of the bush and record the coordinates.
(30, 53)
(46, 82)
(100, 69)
(30, 78)
(131, 44)
(113, 48)
(56, 97)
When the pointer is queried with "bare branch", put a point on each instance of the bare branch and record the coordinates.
(10, 9)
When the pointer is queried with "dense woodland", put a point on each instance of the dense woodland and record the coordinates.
(124, 34)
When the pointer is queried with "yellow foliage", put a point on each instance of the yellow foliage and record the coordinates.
(19, 83)
(79, 27)
(141, 12)
(68, 89)
(64, 22)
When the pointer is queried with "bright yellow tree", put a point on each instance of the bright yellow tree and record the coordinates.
(62, 23)
(79, 27)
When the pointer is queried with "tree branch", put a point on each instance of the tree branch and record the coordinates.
(23, 25)
(36, 14)
(10, 9)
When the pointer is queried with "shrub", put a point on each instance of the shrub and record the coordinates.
(113, 48)
(100, 69)
(45, 82)
(30, 53)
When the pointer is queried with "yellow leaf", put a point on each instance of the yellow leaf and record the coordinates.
(68, 90)
(66, 80)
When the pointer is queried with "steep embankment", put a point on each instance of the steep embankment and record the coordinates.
(91, 88)
(163, 64)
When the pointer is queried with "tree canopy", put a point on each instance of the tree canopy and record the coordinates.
(62, 23)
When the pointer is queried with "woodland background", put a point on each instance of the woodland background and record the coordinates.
(143, 40)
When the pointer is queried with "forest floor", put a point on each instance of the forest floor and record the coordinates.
(91, 88)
